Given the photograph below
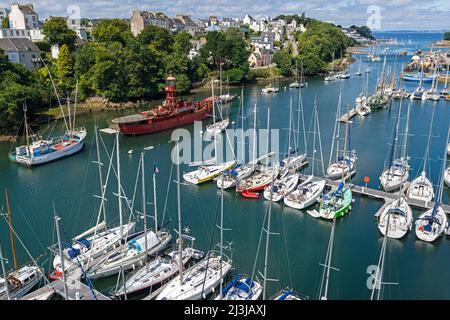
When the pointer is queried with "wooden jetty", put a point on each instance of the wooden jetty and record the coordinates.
(76, 290)
(348, 115)
(387, 197)
(381, 53)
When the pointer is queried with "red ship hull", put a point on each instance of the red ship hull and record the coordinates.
(158, 125)
(172, 113)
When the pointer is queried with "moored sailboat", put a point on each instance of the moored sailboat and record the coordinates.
(18, 282)
(421, 188)
(432, 224)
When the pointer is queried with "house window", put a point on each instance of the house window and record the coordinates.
(34, 18)
(26, 20)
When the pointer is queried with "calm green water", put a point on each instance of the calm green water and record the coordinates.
(421, 269)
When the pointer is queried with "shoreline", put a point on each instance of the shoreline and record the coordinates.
(99, 104)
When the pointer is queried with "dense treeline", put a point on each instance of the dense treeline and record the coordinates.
(120, 67)
(447, 35)
(316, 48)
(17, 86)
(319, 44)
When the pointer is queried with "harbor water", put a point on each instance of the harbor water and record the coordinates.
(421, 270)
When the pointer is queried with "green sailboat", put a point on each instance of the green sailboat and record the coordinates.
(380, 99)
(336, 204)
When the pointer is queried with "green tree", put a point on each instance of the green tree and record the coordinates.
(447, 35)
(158, 39)
(114, 30)
(283, 61)
(56, 31)
(5, 23)
(181, 43)
(17, 85)
(64, 69)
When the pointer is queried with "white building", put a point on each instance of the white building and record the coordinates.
(23, 17)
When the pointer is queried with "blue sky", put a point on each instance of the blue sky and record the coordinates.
(393, 14)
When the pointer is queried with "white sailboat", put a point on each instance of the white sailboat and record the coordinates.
(418, 93)
(432, 224)
(18, 282)
(294, 160)
(432, 93)
(202, 278)
(345, 160)
(165, 266)
(281, 187)
(231, 178)
(308, 192)
(444, 92)
(397, 171)
(361, 101)
(97, 241)
(217, 126)
(262, 175)
(241, 287)
(208, 172)
(421, 188)
(396, 219)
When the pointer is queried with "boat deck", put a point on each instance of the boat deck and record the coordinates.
(387, 197)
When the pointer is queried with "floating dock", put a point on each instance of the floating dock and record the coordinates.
(348, 115)
(387, 197)
(76, 290)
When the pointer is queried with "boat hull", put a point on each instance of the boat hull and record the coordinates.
(151, 126)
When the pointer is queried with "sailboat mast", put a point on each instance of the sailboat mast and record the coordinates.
(75, 107)
(427, 150)
(314, 137)
(102, 187)
(330, 254)
(26, 123)
(57, 219)
(290, 127)
(155, 206)
(119, 186)
(11, 234)
(180, 239)
(221, 235)
(254, 137)
(268, 130)
(144, 207)
(68, 111)
(242, 124)
(266, 257)
(213, 100)
(2, 262)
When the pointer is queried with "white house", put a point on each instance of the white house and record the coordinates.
(248, 19)
(23, 17)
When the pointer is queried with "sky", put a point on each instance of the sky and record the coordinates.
(378, 14)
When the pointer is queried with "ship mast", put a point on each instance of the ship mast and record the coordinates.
(11, 235)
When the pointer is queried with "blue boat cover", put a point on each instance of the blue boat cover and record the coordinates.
(85, 242)
(284, 295)
(245, 285)
(397, 211)
(230, 284)
(231, 173)
(73, 253)
(133, 244)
